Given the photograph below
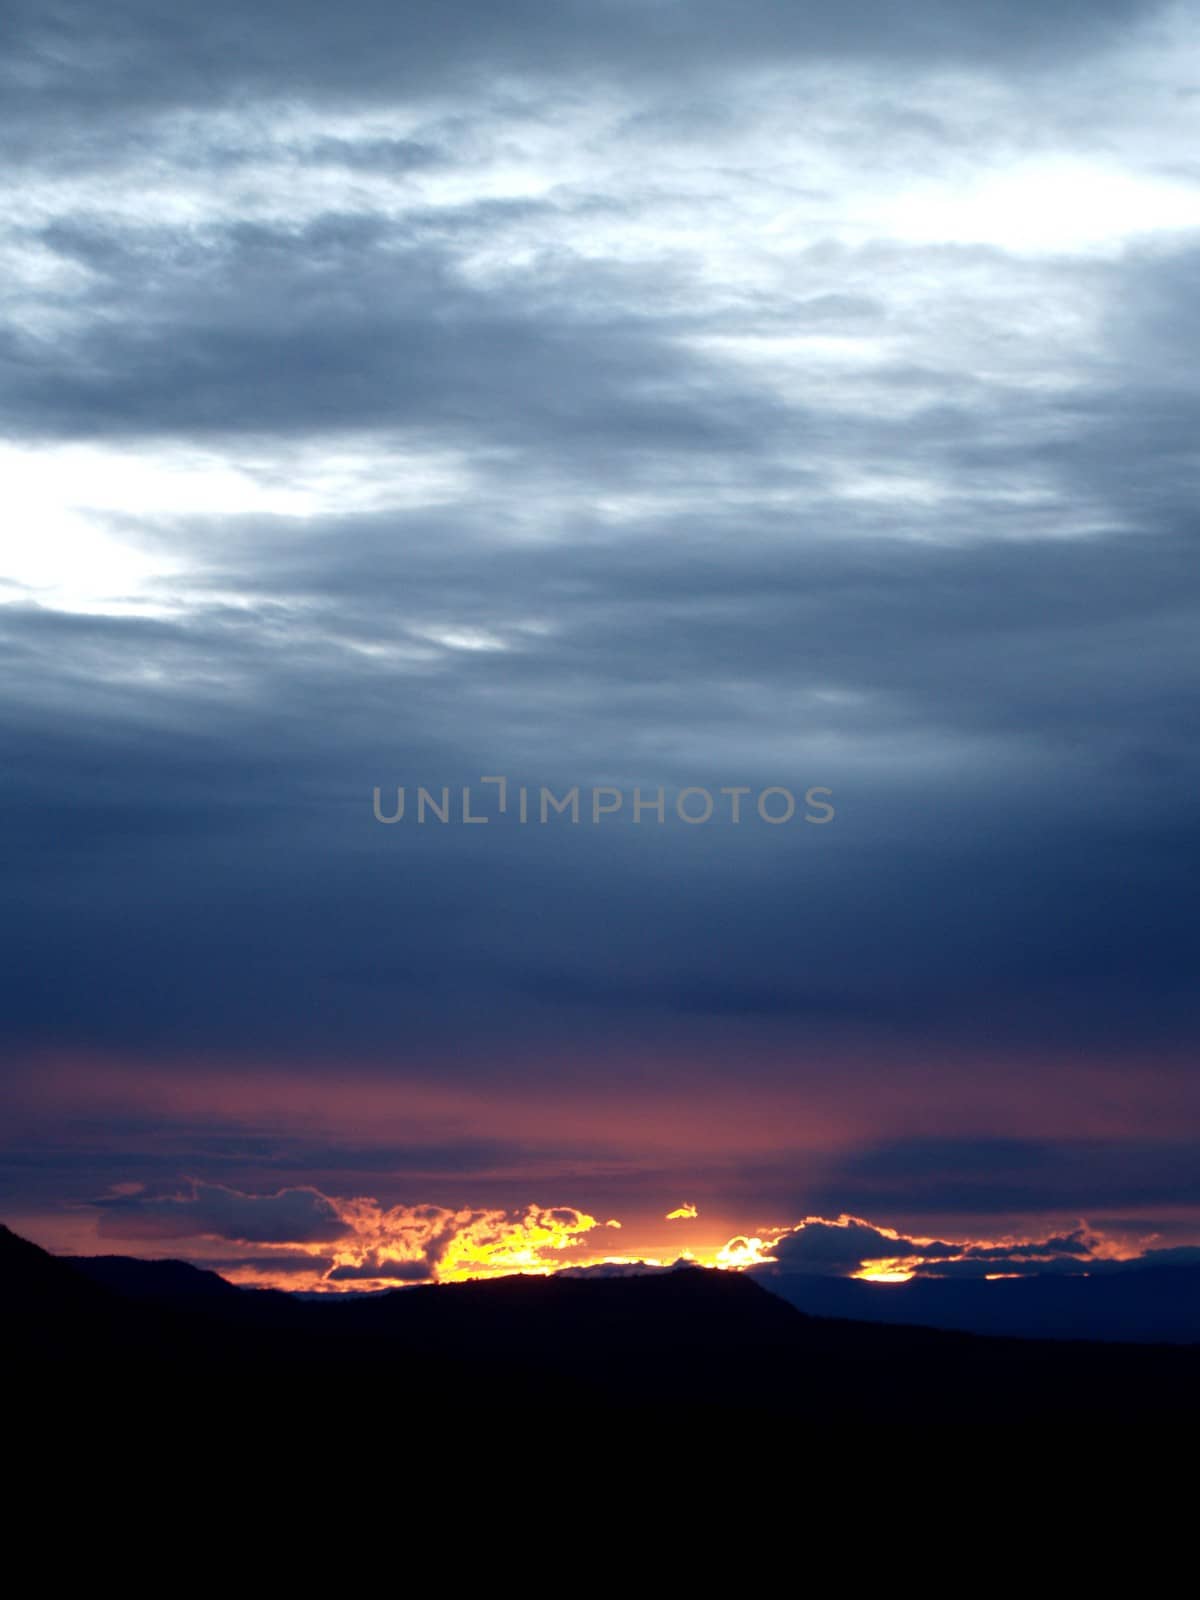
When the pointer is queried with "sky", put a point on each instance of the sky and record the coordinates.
(622, 398)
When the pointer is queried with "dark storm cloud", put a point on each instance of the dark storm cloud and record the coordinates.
(826, 1247)
(841, 1248)
(915, 1184)
(209, 1210)
(383, 1271)
(344, 324)
(1004, 1175)
(279, 1264)
(1175, 1255)
(148, 54)
(245, 779)
(84, 1153)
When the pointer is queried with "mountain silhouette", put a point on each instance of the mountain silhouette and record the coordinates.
(694, 1343)
(151, 1280)
(1150, 1304)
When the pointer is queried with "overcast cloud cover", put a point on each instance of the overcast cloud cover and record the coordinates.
(624, 394)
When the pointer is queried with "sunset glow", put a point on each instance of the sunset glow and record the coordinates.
(885, 1272)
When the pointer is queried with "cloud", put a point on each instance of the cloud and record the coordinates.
(374, 54)
(380, 1269)
(1068, 1174)
(366, 1241)
(303, 1239)
(682, 1213)
(1169, 1256)
(415, 1242)
(275, 1268)
(850, 1245)
(212, 1211)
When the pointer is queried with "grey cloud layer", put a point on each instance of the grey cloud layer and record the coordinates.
(150, 53)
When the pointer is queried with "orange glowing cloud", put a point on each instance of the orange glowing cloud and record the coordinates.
(300, 1238)
(421, 1243)
(304, 1238)
(742, 1252)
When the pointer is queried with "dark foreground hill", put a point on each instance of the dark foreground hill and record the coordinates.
(704, 1346)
